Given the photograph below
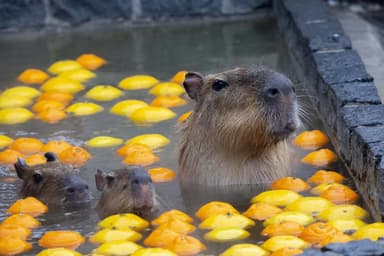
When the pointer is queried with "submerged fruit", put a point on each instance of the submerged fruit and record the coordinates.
(298, 217)
(131, 148)
(51, 116)
(245, 250)
(29, 205)
(340, 195)
(124, 220)
(153, 141)
(178, 226)
(283, 228)
(277, 242)
(186, 245)
(35, 159)
(21, 91)
(316, 232)
(5, 141)
(324, 176)
(26, 145)
(214, 208)
(21, 219)
(290, 183)
(372, 231)
(103, 141)
(15, 115)
(62, 97)
(148, 115)
(127, 107)
(161, 174)
(311, 205)
(13, 246)
(33, 76)
(311, 139)
(226, 234)
(9, 156)
(166, 216)
(226, 220)
(14, 101)
(153, 252)
(141, 158)
(90, 61)
(81, 74)
(167, 89)
(63, 65)
(346, 225)
(12, 230)
(287, 251)
(61, 238)
(343, 211)
(43, 105)
(137, 82)
(321, 157)
(168, 101)
(278, 197)
(104, 93)
(75, 155)
(62, 84)
(84, 108)
(117, 248)
(55, 146)
(58, 252)
(161, 238)
(261, 211)
(109, 235)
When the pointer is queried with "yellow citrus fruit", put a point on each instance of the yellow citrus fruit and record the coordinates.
(178, 226)
(311, 205)
(298, 217)
(284, 228)
(179, 77)
(153, 252)
(321, 157)
(13, 246)
(124, 220)
(167, 89)
(245, 250)
(5, 141)
(144, 158)
(168, 101)
(14, 101)
(109, 235)
(62, 84)
(21, 219)
(161, 237)
(226, 234)
(51, 116)
(58, 252)
(84, 108)
(81, 74)
(28, 205)
(26, 145)
(127, 107)
(147, 115)
(21, 91)
(103, 141)
(226, 220)
(61, 238)
(290, 183)
(9, 156)
(172, 214)
(161, 174)
(214, 208)
(117, 248)
(75, 155)
(12, 230)
(33, 76)
(346, 225)
(324, 176)
(343, 211)
(261, 211)
(278, 197)
(91, 61)
(63, 65)
(372, 231)
(277, 242)
(184, 117)
(137, 82)
(311, 139)
(185, 245)
(153, 141)
(104, 93)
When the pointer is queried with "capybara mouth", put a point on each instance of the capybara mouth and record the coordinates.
(287, 131)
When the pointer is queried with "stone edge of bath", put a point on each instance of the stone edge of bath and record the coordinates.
(347, 97)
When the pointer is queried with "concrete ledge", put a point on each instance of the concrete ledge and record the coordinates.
(346, 97)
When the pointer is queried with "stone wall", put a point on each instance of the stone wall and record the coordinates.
(347, 100)
(18, 15)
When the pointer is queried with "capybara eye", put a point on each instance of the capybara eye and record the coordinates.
(71, 190)
(136, 181)
(37, 177)
(219, 84)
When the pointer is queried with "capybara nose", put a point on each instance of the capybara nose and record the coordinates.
(76, 188)
(140, 177)
(279, 86)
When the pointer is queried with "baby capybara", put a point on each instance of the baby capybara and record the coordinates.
(125, 190)
(53, 183)
(239, 128)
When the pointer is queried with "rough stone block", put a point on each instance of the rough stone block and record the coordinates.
(363, 115)
(22, 14)
(341, 67)
(80, 11)
(242, 6)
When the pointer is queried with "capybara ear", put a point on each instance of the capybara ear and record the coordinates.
(100, 180)
(21, 168)
(50, 156)
(192, 83)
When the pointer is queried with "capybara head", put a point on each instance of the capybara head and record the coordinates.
(125, 190)
(52, 182)
(241, 117)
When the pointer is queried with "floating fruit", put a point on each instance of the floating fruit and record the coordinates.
(278, 197)
(161, 174)
(343, 211)
(153, 141)
(214, 208)
(62, 97)
(176, 214)
(226, 220)
(131, 148)
(51, 116)
(340, 195)
(147, 115)
(287, 251)
(61, 238)
(324, 186)
(184, 117)
(290, 183)
(13, 246)
(153, 252)
(137, 82)
(103, 141)
(81, 74)
(109, 235)
(261, 211)
(75, 155)
(277, 242)
(346, 225)
(340, 237)
(168, 101)
(21, 219)
(311, 139)
(62, 84)
(14, 101)
(117, 248)
(161, 238)
(43, 105)
(12, 230)
(29, 205)
(90, 61)
(9, 156)
(55, 146)
(127, 107)
(33, 76)
(321, 157)
(186, 245)
(5, 141)
(15, 115)
(284, 228)
(167, 89)
(179, 77)
(226, 234)
(124, 220)
(323, 176)
(104, 93)
(21, 91)
(372, 231)
(245, 250)
(84, 108)
(178, 226)
(298, 217)
(311, 205)
(35, 159)
(58, 252)
(316, 232)
(141, 158)
(63, 65)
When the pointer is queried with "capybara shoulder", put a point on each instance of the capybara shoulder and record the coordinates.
(125, 190)
(52, 182)
(239, 128)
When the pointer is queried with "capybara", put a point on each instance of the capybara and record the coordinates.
(129, 189)
(239, 128)
(53, 183)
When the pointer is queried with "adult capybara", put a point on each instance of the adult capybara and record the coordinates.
(239, 128)
(53, 183)
(129, 189)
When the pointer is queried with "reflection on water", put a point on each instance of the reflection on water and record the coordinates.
(158, 51)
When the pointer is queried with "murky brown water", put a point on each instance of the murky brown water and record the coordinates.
(161, 52)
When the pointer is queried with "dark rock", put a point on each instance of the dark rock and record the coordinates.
(79, 11)
(22, 14)
(371, 134)
(341, 67)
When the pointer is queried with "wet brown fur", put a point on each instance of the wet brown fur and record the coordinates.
(232, 137)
